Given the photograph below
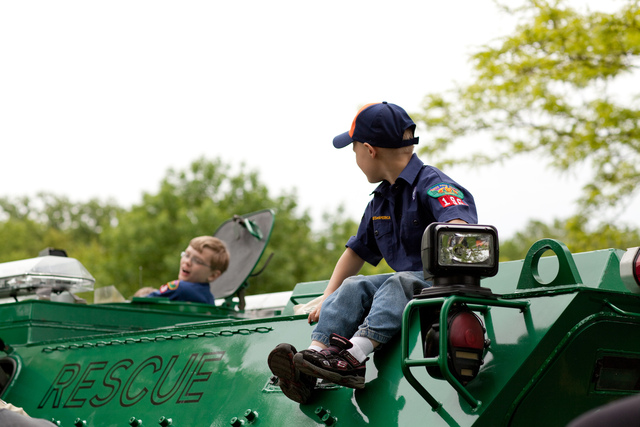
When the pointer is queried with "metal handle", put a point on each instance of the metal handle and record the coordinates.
(478, 304)
(621, 311)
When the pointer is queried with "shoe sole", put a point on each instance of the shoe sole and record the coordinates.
(294, 385)
(351, 381)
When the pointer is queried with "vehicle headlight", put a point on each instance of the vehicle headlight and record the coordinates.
(459, 250)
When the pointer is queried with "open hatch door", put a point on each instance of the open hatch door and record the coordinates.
(246, 237)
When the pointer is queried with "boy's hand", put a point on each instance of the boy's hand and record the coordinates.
(314, 315)
(348, 265)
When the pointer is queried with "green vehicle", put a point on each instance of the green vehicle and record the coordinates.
(533, 342)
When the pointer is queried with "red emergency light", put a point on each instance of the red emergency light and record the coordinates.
(630, 269)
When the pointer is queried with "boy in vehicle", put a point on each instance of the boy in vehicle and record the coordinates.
(368, 309)
(204, 260)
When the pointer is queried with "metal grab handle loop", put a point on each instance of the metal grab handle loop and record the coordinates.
(478, 304)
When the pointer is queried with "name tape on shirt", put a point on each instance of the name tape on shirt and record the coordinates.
(447, 195)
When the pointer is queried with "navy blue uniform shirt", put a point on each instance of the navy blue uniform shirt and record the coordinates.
(180, 290)
(396, 217)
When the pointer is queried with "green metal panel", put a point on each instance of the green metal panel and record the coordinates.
(219, 372)
(32, 321)
(565, 388)
(108, 365)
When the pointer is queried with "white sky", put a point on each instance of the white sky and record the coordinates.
(100, 99)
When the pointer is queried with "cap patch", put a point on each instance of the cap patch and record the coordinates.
(443, 189)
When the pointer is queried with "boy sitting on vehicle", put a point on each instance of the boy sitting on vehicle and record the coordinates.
(368, 309)
(204, 260)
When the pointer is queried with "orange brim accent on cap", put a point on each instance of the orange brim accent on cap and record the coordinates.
(353, 125)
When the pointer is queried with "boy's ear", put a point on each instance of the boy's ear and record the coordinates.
(214, 275)
(373, 151)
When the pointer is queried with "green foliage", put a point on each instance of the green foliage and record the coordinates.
(573, 233)
(546, 89)
(143, 250)
(332, 243)
(53, 221)
(141, 246)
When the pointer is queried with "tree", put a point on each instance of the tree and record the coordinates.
(140, 246)
(144, 248)
(546, 89)
(31, 225)
(572, 233)
(332, 242)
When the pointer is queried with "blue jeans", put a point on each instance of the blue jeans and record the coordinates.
(368, 306)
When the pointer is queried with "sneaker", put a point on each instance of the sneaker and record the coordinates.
(294, 384)
(334, 363)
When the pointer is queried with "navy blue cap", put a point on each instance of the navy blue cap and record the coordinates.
(379, 124)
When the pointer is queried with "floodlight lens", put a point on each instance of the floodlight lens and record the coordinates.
(466, 248)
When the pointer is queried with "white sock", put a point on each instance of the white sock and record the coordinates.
(315, 348)
(362, 347)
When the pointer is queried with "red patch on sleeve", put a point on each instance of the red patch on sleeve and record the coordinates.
(447, 201)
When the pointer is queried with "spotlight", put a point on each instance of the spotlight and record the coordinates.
(456, 256)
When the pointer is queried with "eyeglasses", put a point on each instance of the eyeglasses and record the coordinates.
(193, 259)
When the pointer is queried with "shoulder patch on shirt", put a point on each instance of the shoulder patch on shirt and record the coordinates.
(443, 189)
(447, 201)
(171, 286)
